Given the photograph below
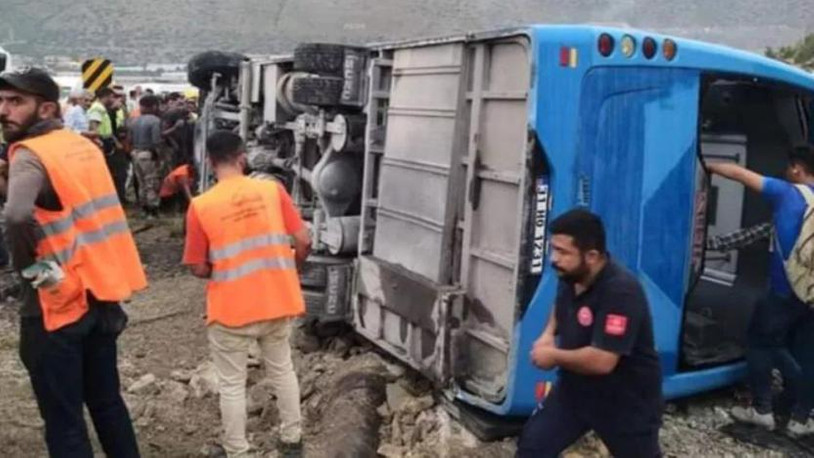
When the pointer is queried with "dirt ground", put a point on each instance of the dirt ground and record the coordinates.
(353, 397)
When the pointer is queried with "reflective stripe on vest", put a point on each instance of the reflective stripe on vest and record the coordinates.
(234, 249)
(252, 266)
(86, 238)
(82, 211)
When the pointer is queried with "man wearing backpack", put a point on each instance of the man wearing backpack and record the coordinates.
(782, 316)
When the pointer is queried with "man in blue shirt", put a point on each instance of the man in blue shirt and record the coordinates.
(781, 327)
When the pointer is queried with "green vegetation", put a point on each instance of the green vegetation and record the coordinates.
(800, 53)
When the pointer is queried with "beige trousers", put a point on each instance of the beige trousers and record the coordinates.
(230, 352)
(147, 174)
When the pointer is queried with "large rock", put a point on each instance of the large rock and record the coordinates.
(145, 385)
(384, 412)
(258, 396)
(135, 405)
(394, 371)
(174, 392)
(146, 417)
(397, 396)
(391, 451)
(415, 406)
(181, 376)
(204, 380)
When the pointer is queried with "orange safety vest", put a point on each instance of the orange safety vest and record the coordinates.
(89, 238)
(170, 185)
(254, 274)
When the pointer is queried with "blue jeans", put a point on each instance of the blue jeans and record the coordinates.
(779, 336)
(76, 365)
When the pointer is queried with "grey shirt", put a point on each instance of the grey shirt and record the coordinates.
(28, 186)
(145, 132)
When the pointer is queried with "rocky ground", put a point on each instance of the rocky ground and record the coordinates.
(357, 402)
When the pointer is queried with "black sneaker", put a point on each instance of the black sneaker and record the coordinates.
(215, 451)
(290, 449)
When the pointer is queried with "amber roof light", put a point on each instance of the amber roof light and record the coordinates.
(669, 49)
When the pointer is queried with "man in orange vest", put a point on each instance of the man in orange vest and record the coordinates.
(70, 240)
(239, 237)
(176, 190)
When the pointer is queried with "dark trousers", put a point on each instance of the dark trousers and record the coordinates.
(558, 422)
(117, 164)
(4, 256)
(803, 350)
(779, 328)
(76, 365)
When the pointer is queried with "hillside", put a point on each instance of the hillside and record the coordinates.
(137, 31)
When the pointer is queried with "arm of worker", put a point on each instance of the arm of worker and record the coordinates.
(540, 348)
(746, 177)
(585, 360)
(186, 188)
(196, 247)
(27, 179)
(302, 246)
(741, 238)
(295, 226)
(173, 128)
(614, 335)
(93, 132)
(550, 331)
(92, 135)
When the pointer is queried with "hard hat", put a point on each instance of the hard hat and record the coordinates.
(191, 93)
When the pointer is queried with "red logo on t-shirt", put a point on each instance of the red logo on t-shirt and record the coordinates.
(615, 325)
(584, 316)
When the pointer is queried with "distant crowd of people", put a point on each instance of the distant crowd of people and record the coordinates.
(147, 140)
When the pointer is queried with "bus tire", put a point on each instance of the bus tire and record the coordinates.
(202, 66)
(318, 90)
(324, 59)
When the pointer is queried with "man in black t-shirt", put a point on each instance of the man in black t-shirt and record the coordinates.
(600, 336)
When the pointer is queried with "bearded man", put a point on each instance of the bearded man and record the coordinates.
(600, 336)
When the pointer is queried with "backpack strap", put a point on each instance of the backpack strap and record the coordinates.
(807, 193)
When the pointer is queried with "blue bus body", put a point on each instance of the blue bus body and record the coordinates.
(620, 135)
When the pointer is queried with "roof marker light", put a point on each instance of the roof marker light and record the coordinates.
(628, 45)
(649, 47)
(669, 49)
(605, 44)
